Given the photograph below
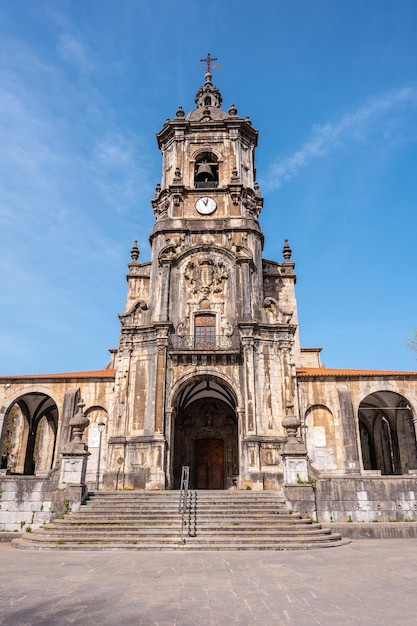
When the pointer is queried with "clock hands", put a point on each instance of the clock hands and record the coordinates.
(205, 205)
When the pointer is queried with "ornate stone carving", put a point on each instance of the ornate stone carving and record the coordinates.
(133, 315)
(205, 276)
(183, 328)
(227, 327)
(291, 422)
(280, 316)
(252, 203)
(161, 203)
(177, 198)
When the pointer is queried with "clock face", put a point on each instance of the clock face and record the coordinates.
(206, 205)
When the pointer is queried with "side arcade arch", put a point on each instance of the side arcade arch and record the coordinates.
(321, 438)
(91, 437)
(387, 434)
(30, 434)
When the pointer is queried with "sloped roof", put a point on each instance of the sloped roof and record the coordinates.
(311, 372)
(104, 374)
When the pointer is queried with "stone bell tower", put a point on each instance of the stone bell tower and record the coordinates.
(205, 368)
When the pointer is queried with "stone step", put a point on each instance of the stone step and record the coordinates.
(150, 521)
(88, 523)
(206, 539)
(171, 507)
(203, 512)
(174, 493)
(173, 497)
(187, 547)
(161, 531)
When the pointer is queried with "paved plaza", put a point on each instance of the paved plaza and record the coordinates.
(365, 582)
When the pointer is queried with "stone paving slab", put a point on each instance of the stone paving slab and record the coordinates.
(368, 582)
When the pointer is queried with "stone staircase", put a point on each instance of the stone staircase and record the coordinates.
(214, 520)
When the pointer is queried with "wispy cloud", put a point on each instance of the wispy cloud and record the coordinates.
(352, 127)
(72, 180)
(120, 175)
(74, 51)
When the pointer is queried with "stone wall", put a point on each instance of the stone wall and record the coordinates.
(359, 499)
(301, 498)
(27, 502)
(363, 499)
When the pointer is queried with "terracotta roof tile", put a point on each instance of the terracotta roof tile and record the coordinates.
(90, 374)
(327, 371)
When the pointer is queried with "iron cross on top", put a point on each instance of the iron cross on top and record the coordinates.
(209, 60)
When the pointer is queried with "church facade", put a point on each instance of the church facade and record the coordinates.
(209, 371)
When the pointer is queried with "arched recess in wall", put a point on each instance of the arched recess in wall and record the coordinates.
(29, 435)
(91, 438)
(387, 435)
(321, 438)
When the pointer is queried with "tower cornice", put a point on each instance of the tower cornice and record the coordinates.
(179, 128)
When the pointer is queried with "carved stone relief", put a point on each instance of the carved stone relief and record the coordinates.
(161, 204)
(252, 203)
(183, 328)
(279, 316)
(134, 315)
(205, 276)
(227, 327)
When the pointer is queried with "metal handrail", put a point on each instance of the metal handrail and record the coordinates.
(182, 504)
(192, 515)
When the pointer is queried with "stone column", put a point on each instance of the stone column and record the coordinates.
(252, 475)
(161, 358)
(168, 459)
(157, 477)
(294, 452)
(249, 374)
(298, 491)
(164, 290)
(349, 431)
(75, 454)
(246, 291)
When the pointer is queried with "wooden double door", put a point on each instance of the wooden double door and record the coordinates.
(209, 464)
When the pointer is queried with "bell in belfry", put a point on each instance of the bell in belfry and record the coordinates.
(204, 172)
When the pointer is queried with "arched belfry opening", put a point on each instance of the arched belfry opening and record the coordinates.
(387, 435)
(29, 435)
(206, 171)
(205, 434)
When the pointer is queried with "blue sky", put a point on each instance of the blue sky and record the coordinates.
(84, 86)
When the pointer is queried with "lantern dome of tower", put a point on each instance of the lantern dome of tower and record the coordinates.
(208, 98)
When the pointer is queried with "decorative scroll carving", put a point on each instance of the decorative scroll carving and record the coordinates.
(161, 203)
(183, 328)
(205, 276)
(134, 313)
(252, 203)
(280, 316)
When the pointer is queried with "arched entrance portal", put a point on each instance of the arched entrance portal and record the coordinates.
(206, 435)
(387, 435)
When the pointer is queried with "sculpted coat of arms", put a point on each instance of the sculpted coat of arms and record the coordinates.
(205, 276)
